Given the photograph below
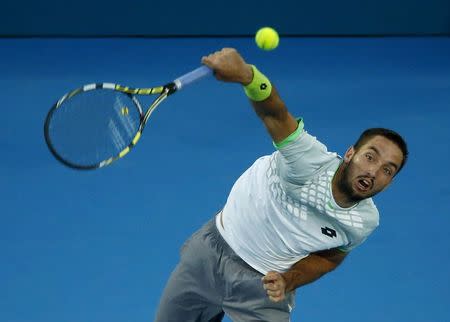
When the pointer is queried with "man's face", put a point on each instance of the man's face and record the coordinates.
(371, 168)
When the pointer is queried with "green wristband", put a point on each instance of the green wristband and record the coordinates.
(260, 88)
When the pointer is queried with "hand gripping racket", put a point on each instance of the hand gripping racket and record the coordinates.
(97, 124)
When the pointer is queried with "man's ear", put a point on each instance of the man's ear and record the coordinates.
(349, 154)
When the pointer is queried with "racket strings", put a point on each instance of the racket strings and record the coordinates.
(93, 126)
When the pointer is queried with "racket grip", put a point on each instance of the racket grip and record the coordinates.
(192, 76)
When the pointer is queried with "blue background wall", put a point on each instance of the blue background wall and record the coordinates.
(99, 246)
(230, 17)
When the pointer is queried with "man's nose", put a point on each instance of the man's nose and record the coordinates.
(372, 170)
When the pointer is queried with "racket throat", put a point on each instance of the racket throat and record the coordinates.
(171, 88)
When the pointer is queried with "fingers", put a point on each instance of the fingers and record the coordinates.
(209, 60)
(218, 58)
(273, 290)
(275, 286)
(273, 277)
(229, 66)
(211, 57)
(214, 61)
(276, 297)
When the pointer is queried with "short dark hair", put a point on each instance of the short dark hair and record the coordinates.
(388, 134)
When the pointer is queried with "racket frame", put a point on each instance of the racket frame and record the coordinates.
(163, 91)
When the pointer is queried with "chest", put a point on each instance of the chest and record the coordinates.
(315, 222)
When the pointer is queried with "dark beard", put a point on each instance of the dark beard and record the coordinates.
(345, 184)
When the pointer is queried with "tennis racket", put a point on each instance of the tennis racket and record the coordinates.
(97, 124)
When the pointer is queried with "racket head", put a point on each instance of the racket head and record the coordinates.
(94, 125)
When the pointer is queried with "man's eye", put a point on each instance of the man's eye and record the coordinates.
(388, 171)
(369, 156)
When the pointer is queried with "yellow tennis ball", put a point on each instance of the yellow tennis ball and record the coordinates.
(267, 38)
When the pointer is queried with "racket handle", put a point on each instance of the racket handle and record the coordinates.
(192, 76)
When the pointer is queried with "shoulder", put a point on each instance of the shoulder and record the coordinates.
(306, 149)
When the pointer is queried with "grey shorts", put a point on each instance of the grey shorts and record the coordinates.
(211, 279)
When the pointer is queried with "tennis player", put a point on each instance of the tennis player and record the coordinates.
(290, 218)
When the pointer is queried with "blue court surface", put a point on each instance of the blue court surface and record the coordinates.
(98, 246)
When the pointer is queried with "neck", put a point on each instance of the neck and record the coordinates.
(340, 189)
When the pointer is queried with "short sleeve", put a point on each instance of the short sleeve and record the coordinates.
(301, 156)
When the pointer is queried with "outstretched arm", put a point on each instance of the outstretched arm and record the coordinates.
(303, 272)
(229, 66)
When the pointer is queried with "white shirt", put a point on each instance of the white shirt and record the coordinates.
(282, 209)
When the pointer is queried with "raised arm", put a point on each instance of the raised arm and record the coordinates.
(229, 66)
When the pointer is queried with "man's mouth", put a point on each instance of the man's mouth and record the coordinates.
(364, 184)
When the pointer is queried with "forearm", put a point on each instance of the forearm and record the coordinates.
(229, 66)
(271, 107)
(275, 116)
(306, 271)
